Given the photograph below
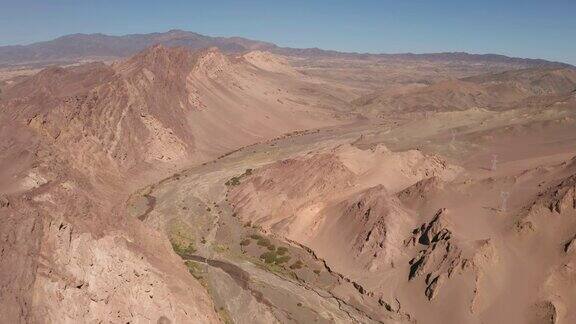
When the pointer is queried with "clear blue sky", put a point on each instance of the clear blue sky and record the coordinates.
(525, 28)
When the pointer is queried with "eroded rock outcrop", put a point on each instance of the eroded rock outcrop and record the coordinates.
(570, 246)
(70, 284)
(441, 255)
(374, 222)
(557, 199)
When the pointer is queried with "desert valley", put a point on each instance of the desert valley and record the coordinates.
(180, 178)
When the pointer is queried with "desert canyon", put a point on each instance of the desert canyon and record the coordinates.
(181, 178)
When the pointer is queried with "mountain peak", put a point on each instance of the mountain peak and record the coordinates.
(159, 59)
(211, 61)
(166, 60)
(159, 52)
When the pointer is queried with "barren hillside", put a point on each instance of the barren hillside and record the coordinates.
(75, 141)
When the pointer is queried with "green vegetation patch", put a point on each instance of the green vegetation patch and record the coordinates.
(272, 257)
(220, 248)
(181, 238)
(282, 259)
(195, 269)
(224, 316)
(268, 257)
(184, 250)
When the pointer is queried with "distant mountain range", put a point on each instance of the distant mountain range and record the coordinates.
(80, 47)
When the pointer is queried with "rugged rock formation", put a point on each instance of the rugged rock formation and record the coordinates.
(439, 258)
(559, 198)
(570, 245)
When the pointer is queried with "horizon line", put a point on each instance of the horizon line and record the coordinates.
(460, 51)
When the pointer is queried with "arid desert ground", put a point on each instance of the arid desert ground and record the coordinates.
(224, 180)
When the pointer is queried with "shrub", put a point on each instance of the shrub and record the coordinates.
(268, 257)
(220, 248)
(234, 181)
(194, 269)
(185, 250)
(224, 316)
(281, 250)
(296, 265)
(271, 257)
(245, 242)
(282, 259)
(263, 242)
